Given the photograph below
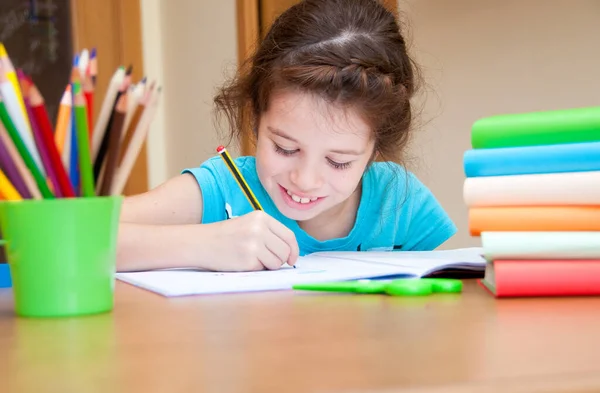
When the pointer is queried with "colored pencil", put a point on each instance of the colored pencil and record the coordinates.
(32, 189)
(11, 75)
(136, 93)
(101, 156)
(88, 93)
(83, 142)
(93, 66)
(84, 61)
(25, 154)
(7, 189)
(106, 110)
(37, 135)
(134, 121)
(21, 123)
(73, 157)
(136, 143)
(12, 172)
(63, 119)
(40, 116)
(112, 156)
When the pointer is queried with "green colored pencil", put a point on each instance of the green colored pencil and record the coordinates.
(24, 152)
(83, 140)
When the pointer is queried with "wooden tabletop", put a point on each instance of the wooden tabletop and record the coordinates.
(307, 342)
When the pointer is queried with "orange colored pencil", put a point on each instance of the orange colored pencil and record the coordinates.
(63, 119)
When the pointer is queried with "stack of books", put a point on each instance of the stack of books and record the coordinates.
(532, 190)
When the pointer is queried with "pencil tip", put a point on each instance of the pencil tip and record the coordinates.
(76, 87)
(129, 69)
(93, 53)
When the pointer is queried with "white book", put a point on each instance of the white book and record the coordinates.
(317, 267)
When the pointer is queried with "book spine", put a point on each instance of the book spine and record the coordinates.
(525, 278)
(537, 128)
(540, 245)
(549, 189)
(570, 157)
(533, 218)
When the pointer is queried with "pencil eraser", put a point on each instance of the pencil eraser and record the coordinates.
(220, 149)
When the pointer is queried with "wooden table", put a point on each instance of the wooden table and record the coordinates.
(307, 342)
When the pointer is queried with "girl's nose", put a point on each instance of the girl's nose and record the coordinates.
(307, 178)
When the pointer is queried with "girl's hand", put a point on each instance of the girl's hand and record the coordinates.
(255, 241)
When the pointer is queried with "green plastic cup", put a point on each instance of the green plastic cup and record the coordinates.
(62, 254)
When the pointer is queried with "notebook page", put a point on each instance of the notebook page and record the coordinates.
(309, 269)
(417, 263)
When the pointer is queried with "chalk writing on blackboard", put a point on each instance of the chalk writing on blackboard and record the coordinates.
(37, 36)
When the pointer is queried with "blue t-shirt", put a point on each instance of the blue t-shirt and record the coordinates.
(396, 211)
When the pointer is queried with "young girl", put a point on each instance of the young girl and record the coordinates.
(327, 93)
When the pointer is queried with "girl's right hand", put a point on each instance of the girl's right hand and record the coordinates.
(254, 241)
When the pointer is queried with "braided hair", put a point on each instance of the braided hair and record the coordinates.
(349, 52)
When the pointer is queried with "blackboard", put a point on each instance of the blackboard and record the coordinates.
(37, 35)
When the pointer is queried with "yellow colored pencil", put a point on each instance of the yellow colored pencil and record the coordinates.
(11, 75)
(7, 189)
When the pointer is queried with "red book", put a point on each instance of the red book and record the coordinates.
(556, 277)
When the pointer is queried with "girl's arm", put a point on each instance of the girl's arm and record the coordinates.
(177, 201)
(161, 229)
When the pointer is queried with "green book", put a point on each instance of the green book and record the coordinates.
(537, 128)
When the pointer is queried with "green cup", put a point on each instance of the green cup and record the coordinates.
(62, 254)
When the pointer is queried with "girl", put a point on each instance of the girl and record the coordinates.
(328, 96)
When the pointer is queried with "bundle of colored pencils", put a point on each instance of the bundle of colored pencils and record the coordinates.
(81, 155)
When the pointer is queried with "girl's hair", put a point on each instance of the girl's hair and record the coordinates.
(349, 52)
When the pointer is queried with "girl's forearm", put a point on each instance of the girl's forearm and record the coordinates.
(145, 247)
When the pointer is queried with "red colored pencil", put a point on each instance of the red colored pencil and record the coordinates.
(41, 116)
(88, 93)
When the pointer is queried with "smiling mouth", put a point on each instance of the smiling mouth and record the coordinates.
(298, 199)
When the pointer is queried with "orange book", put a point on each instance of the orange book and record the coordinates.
(533, 218)
(555, 277)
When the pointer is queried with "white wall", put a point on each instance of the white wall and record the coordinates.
(496, 56)
(479, 58)
(189, 45)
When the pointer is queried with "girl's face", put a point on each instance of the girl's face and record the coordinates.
(311, 155)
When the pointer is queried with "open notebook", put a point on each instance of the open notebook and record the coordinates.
(317, 267)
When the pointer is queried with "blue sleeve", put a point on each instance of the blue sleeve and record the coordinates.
(212, 196)
(429, 224)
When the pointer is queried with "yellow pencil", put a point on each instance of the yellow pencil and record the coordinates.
(11, 75)
(7, 189)
(239, 178)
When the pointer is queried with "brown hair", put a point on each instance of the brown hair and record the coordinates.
(349, 52)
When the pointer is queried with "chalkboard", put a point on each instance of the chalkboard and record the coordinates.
(37, 35)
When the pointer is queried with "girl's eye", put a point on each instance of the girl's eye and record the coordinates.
(339, 165)
(283, 151)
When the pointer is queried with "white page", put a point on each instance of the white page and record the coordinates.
(416, 263)
(456, 256)
(318, 267)
(192, 282)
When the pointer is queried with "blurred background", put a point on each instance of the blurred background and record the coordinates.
(478, 58)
